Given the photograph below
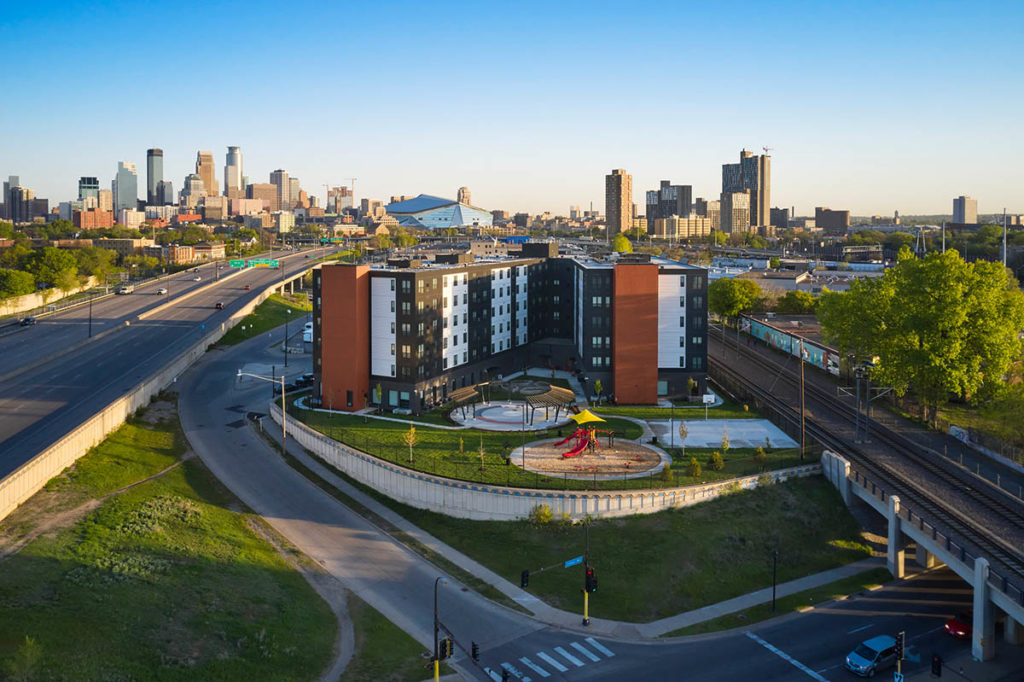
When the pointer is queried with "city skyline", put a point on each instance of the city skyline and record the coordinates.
(860, 113)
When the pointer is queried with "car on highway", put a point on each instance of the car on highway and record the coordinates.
(304, 380)
(287, 389)
(197, 278)
(161, 292)
(872, 656)
(219, 305)
(27, 321)
(125, 290)
(960, 626)
(248, 287)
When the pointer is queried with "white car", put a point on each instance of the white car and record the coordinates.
(161, 292)
(197, 278)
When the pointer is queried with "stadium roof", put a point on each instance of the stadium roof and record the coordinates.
(423, 202)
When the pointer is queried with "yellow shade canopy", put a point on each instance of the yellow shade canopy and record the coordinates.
(585, 417)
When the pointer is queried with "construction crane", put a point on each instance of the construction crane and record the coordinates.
(767, 149)
(352, 186)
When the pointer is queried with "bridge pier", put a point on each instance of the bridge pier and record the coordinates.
(1014, 632)
(983, 640)
(924, 558)
(895, 553)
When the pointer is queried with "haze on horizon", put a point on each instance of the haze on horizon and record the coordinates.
(866, 107)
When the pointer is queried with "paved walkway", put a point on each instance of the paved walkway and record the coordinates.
(557, 617)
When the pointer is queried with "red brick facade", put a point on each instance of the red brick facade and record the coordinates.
(635, 334)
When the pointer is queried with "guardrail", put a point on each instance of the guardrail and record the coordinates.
(27, 479)
(483, 502)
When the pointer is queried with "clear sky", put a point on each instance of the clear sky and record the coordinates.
(870, 106)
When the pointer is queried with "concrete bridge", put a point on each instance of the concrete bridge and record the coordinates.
(994, 587)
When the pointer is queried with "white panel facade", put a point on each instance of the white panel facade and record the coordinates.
(671, 321)
(455, 319)
(522, 294)
(501, 310)
(578, 276)
(382, 326)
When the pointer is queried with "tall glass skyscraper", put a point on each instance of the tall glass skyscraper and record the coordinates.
(233, 187)
(154, 175)
(125, 187)
(88, 187)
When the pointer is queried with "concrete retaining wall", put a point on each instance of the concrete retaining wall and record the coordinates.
(19, 304)
(495, 503)
(33, 475)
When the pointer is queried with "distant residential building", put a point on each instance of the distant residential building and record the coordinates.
(574, 213)
(105, 200)
(965, 210)
(339, 199)
(165, 193)
(780, 218)
(125, 186)
(669, 200)
(123, 247)
(154, 175)
(131, 218)
(88, 187)
(280, 180)
(214, 207)
(675, 227)
(618, 201)
(233, 187)
(803, 223)
(709, 209)
(23, 206)
(499, 215)
(371, 208)
(66, 209)
(266, 192)
(463, 196)
(836, 223)
(92, 219)
(206, 170)
(521, 219)
(161, 212)
(185, 218)
(284, 221)
(172, 254)
(752, 175)
(735, 212)
(192, 192)
(207, 251)
(246, 206)
(260, 221)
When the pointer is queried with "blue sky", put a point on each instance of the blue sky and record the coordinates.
(869, 106)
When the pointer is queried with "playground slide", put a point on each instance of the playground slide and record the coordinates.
(575, 434)
(580, 447)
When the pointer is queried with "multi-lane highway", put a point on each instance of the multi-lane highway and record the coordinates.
(40, 405)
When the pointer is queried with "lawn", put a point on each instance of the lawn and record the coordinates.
(794, 602)
(384, 652)
(270, 314)
(727, 410)
(160, 581)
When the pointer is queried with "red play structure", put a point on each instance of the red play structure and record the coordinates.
(585, 438)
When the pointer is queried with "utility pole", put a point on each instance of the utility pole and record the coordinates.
(801, 399)
(1004, 237)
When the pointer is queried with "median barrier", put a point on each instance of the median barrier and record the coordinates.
(482, 502)
(27, 479)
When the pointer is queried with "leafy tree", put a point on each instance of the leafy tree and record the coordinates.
(621, 244)
(667, 475)
(715, 461)
(599, 389)
(693, 469)
(246, 233)
(725, 440)
(6, 230)
(52, 265)
(94, 261)
(774, 263)
(796, 302)
(683, 433)
(382, 241)
(760, 457)
(16, 257)
(410, 439)
(635, 234)
(193, 235)
(936, 325)
(16, 283)
(728, 296)
(25, 662)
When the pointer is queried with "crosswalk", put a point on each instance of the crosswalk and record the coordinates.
(557, 659)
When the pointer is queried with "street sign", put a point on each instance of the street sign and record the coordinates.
(573, 562)
(263, 263)
(237, 263)
(898, 677)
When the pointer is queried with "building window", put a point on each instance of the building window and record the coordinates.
(446, 363)
(698, 363)
(555, 315)
(682, 361)
(682, 281)
(698, 302)
(464, 299)
(392, 306)
(392, 370)
(420, 328)
(682, 301)
(419, 351)
(682, 321)
(698, 283)
(392, 328)
(698, 323)
(464, 336)
(406, 286)
(419, 285)
(446, 343)
(419, 306)
(348, 398)
(392, 284)
(406, 307)
(392, 349)
(698, 340)
(682, 342)
(445, 302)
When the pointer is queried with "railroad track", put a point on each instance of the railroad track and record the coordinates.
(911, 492)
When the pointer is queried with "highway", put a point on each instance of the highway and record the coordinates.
(40, 405)
(213, 404)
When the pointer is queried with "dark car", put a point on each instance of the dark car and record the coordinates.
(960, 626)
(219, 306)
(28, 321)
(287, 389)
(304, 380)
(248, 287)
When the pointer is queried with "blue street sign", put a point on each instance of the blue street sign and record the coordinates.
(573, 562)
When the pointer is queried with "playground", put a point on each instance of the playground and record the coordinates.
(589, 452)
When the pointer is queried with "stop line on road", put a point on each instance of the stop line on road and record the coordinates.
(558, 659)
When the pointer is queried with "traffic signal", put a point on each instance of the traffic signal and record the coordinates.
(445, 649)
(900, 636)
(936, 665)
(524, 579)
(591, 580)
(475, 650)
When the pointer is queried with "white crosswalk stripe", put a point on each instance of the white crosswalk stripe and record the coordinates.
(569, 657)
(600, 647)
(514, 672)
(535, 668)
(585, 651)
(552, 662)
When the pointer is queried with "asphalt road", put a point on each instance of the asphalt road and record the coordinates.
(213, 404)
(38, 407)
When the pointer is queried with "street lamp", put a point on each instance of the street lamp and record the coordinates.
(287, 317)
(284, 412)
(775, 561)
(437, 658)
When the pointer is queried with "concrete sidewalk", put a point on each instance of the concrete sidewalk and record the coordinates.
(557, 617)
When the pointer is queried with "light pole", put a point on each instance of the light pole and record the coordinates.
(287, 317)
(775, 562)
(437, 658)
(284, 412)
(91, 296)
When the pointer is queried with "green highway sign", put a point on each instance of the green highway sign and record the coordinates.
(237, 263)
(332, 240)
(263, 263)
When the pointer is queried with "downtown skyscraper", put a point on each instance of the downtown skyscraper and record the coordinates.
(154, 175)
(753, 176)
(125, 187)
(233, 186)
(207, 172)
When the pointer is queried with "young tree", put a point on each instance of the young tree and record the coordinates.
(621, 244)
(409, 438)
(683, 433)
(725, 440)
(598, 389)
(774, 263)
(760, 457)
(693, 469)
(715, 461)
(937, 326)
(481, 451)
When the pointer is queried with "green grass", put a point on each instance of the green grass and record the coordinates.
(794, 602)
(384, 652)
(727, 410)
(270, 314)
(162, 581)
(656, 565)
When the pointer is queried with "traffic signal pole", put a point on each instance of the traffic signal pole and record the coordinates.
(586, 607)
